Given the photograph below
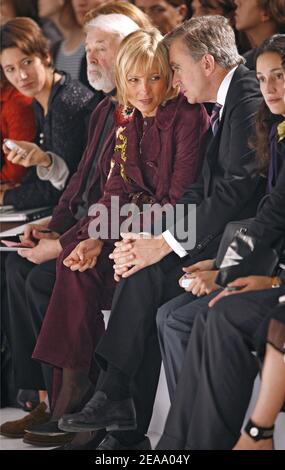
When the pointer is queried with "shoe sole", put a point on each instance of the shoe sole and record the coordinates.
(126, 426)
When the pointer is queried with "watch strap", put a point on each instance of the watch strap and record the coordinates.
(257, 432)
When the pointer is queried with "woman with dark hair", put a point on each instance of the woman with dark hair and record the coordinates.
(270, 113)
(62, 108)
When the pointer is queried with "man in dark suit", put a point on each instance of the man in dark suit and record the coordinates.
(207, 67)
(215, 379)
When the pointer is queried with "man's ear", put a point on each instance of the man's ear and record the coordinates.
(183, 11)
(209, 64)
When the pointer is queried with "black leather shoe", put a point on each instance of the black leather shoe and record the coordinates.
(111, 443)
(101, 413)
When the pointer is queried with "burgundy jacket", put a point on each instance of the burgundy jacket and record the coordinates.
(158, 156)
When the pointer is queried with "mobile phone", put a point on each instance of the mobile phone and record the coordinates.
(11, 145)
(8, 245)
(16, 238)
(11, 238)
(233, 289)
(186, 282)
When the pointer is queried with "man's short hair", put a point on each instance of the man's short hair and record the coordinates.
(208, 35)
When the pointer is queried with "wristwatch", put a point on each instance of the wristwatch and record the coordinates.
(257, 433)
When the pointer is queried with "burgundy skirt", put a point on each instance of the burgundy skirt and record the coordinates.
(74, 323)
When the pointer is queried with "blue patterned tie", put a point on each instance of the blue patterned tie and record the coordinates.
(214, 119)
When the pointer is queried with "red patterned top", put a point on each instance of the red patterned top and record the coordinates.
(17, 122)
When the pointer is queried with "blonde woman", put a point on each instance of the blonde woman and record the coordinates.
(161, 135)
(158, 135)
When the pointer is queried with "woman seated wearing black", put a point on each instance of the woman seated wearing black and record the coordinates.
(62, 108)
(258, 433)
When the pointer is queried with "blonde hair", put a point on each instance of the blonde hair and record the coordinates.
(140, 50)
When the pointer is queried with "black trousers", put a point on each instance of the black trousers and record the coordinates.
(130, 342)
(29, 288)
(175, 320)
(8, 388)
(218, 373)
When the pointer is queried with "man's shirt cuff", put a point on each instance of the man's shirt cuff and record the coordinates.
(176, 247)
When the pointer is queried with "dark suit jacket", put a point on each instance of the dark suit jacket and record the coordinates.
(269, 223)
(229, 188)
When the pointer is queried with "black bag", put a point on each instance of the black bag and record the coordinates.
(232, 228)
(245, 255)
